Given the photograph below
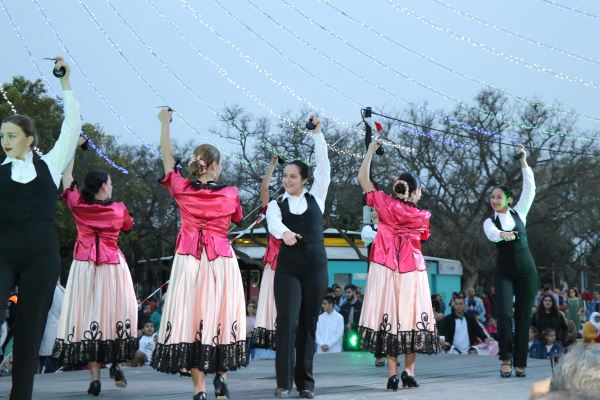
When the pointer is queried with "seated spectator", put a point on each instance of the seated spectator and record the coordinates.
(47, 363)
(533, 335)
(436, 305)
(492, 328)
(460, 331)
(156, 316)
(146, 345)
(595, 303)
(591, 329)
(545, 290)
(549, 348)
(330, 329)
(330, 292)
(578, 370)
(547, 316)
(474, 305)
(351, 313)
(360, 292)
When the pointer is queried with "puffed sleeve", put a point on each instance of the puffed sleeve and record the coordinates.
(174, 182)
(426, 234)
(127, 220)
(239, 213)
(71, 195)
(378, 200)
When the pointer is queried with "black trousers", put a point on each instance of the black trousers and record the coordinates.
(520, 280)
(36, 276)
(300, 284)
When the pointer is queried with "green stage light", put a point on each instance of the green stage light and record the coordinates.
(353, 341)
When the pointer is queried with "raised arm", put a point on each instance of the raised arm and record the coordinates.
(528, 192)
(67, 176)
(363, 174)
(264, 186)
(165, 115)
(322, 173)
(61, 154)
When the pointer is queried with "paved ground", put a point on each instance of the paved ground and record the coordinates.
(349, 376)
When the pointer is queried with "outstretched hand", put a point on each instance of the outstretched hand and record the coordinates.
(165, 115)
(315, 120)
(521, 152)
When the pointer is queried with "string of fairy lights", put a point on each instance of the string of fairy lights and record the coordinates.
(491, 50)
(350, 127)
(91, 144)
(416, 82)
(468, 77)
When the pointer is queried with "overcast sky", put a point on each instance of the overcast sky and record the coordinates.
(135, 102)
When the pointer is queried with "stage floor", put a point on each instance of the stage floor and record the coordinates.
(349, 376)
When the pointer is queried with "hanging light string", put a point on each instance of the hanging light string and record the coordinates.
(439, 93)
(224, 74)
(491, 50)
(219, 70)
(10, 104)
(122, 54)
(404, 124)
(268, 75)
(307, 71)
(90, 83)
(461, 74)
(49, 87)
(517, 35)
(575, 10)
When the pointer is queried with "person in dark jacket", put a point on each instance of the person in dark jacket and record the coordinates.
(460, 331)
(546, 317)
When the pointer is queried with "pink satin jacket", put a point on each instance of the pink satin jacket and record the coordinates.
(205, 216)
(402, 226)
(98, 227)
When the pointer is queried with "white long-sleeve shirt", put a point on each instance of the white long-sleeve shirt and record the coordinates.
(57, 159)
(330, 331)
(522, 208)
(318, 190)
(367, 234)
(51, 329)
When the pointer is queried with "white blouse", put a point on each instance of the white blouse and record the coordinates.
(318, 190)
(57, 159)
(522, 208)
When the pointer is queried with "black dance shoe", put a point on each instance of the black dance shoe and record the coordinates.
(282, 393)
(221, 389)
(507, 374)
(118, 375)
(379, 362)
(200, 396)
(94, 388)
(520, 372)
(408, 380)
(307, 394)
(393, 382)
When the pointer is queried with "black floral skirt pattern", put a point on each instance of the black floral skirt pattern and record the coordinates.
(93, 348)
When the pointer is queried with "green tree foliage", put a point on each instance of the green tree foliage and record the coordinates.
(563, 225)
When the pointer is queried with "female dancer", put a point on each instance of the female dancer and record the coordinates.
(397, 316)
(203, 327)
(516, 274)
(29, 251)
(263, 335)
(301, 277)
(98, 318)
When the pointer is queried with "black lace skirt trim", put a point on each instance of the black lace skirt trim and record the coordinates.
(403, 342)
(102, 351)
(263, 339)
(171, 358)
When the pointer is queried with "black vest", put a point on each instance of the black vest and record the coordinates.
(27, 212)
(508, 250)
(309, 224)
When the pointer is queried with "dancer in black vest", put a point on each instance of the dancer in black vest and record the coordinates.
(29, 254)
(301, 276)
(516, 273)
